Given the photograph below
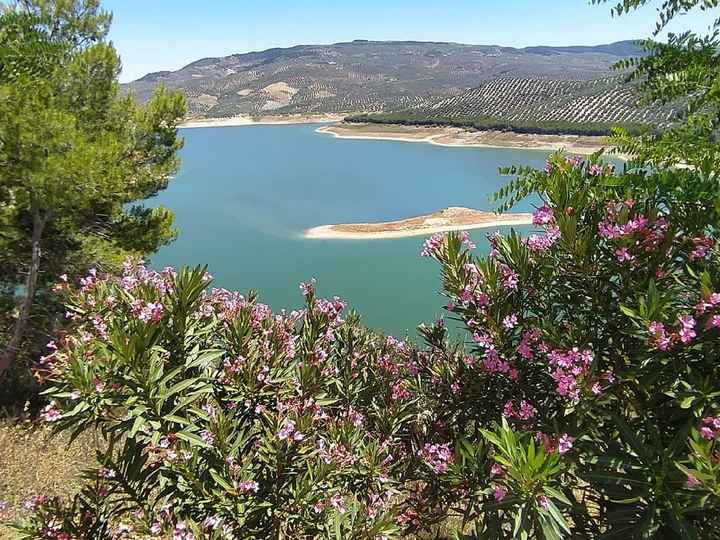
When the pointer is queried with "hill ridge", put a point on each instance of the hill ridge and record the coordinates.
(365, 76)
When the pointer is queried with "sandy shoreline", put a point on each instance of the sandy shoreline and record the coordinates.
(439, 136)
(458, 137)
(449, 219)
(264, 120)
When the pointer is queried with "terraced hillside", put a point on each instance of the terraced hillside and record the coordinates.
(536, 105)
(364, 76)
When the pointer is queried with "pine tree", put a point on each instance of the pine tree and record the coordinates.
(74, 155)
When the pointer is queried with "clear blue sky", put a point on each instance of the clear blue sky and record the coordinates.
(153, 35)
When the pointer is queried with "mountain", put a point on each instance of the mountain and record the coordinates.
(369, 76)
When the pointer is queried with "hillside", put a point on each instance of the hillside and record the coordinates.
(538, 105)
(364, 76)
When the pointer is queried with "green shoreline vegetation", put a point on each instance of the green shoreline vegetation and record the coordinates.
(498, 124)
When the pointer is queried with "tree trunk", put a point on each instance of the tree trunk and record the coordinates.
(18, 332)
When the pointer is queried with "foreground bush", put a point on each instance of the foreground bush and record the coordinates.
(585, 404)
(225, 419)
(604, 327)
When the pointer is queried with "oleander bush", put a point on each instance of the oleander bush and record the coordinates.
(224, 420)
(603, 327)
(583, 405)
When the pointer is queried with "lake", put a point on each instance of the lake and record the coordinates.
(244, 195)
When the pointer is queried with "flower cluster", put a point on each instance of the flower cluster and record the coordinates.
(630, 231)
(525, 411)
(437, 456)
(432, 245)
(710, 427)
(571, 368)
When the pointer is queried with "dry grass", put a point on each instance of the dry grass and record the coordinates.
(32, 462)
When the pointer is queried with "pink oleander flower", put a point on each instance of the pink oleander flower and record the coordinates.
(609, 230)
(542, 243)
(497, 470)
(543, 502)
(525, 412)
(660, 337)
(35, 503)
(595, 170)
(211, 523)
(248, 486)
(635, 225)
(399, 391)
(181, 532)
(409, 516)
(338, 503)
(710, 427)
(687, 331)
(701, 245)
(87, 282)
(152, 312)
(50, 413)
(100, 326)
(570, 367)
(509, 278)
(483, 340)
(494, 239)
(575, 161)
(510, 321)
(543, 216)
(432, 245)
(471, 269)
(207, 437)
(99, 385)
(106, 473)
(437, 456)
(692, 481)
(466, 240)
(355, 418)
(713, 322)
(500, 493)
(623, 255)
(288, 432)
(308, 288)
(565, 443)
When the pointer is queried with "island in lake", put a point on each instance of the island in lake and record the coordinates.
(450, 219)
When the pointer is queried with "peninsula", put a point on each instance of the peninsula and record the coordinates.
(460, 137)
(450, 219)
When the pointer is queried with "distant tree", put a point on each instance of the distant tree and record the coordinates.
(74, 155)
(684, 70)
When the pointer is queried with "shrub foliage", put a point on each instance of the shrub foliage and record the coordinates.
(584, 403)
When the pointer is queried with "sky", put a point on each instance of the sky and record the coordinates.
(155, 35)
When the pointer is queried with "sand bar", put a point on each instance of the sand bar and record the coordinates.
(450, 219)
(458, 137)
(263, 120)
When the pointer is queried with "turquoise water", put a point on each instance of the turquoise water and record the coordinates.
(244, 195)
